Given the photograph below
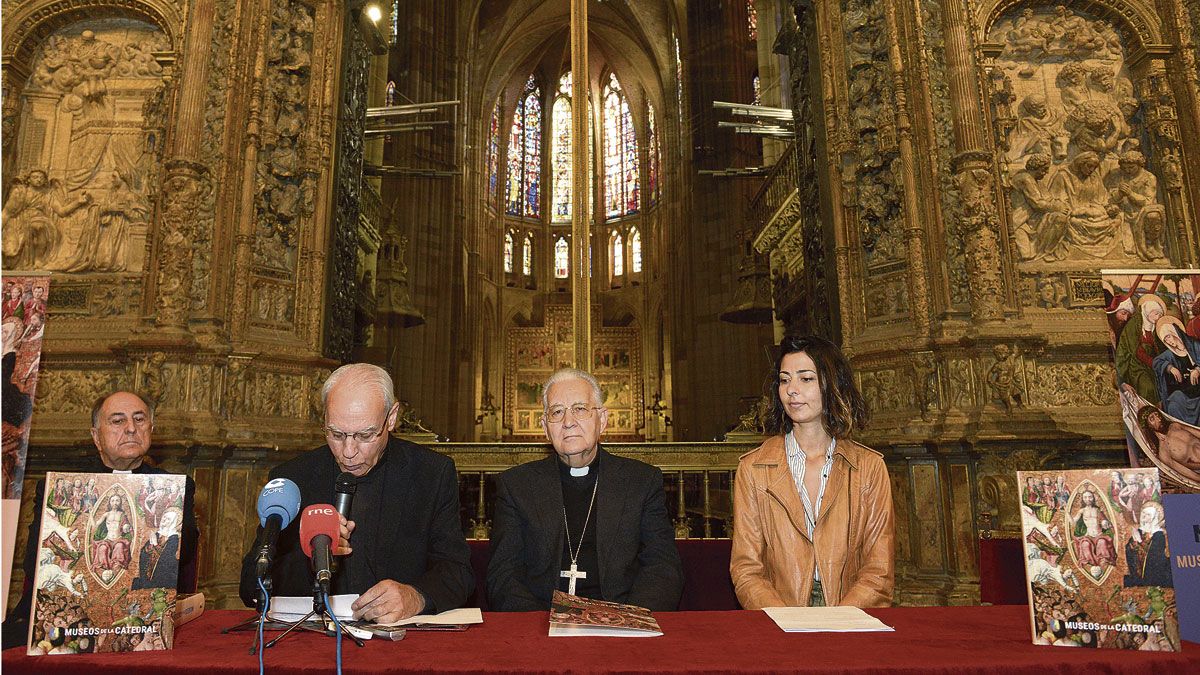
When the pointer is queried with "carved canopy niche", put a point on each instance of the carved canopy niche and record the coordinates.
(1088, 144)
(88, 144)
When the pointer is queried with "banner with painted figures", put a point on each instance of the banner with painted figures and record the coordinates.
(1154, 329)
(24, 320)
(1096, 559)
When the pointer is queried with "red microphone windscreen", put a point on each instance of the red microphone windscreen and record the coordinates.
(318, 519)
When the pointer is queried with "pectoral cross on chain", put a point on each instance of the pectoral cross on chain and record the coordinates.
(573, 574)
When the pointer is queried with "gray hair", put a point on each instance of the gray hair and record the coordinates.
(564, 374)
(367, 374)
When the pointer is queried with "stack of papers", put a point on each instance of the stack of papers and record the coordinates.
(824, 620)
(291, 608)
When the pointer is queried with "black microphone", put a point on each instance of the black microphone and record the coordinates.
(278, 504)
(343, 493)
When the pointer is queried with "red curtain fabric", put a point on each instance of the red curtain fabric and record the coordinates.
(1002, 572)
(926, 640)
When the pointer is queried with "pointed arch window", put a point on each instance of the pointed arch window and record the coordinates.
(621, 180)
(756, 83)
(389, 94)
(508, 253)
(616, 251)
(523, 197)
(527, 256)
(679, 92)
(562, 258)
(635, 251)
(751, 21)
(560, 167)
(655, 156)
(493, 156)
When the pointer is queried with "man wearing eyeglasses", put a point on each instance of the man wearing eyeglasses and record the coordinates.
(402, 550)
(582, 521)
(122, 425)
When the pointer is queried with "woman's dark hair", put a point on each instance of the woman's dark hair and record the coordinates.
(845, 409)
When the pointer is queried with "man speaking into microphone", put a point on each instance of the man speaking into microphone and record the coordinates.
(402, 548)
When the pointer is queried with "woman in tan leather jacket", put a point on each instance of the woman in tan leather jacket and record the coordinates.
(812, 510)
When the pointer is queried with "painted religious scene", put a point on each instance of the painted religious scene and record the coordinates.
(1086, 182)
(24, 323)
(107, 563)
(1096, 559)
(1154, 328)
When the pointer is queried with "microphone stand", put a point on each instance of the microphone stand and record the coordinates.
(252, 623)
(322, 614)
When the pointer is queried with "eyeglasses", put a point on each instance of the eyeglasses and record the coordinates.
(365, 436)
(579, 411)
(359, 436)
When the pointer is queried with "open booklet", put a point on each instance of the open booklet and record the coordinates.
(294, 608)
(572, 615)
(824, 620)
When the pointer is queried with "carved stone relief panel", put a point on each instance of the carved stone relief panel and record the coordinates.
(875, 162)
(1072, 384)
(272, 304)
(74, 391)
(887, 299)
(1074, 144)
(283, 196)
(88, 150)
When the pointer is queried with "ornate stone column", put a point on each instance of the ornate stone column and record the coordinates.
(186, 181)
(973, 171)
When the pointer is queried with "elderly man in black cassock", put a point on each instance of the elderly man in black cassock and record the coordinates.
(403, 549)
(122, 427)
(582, 521)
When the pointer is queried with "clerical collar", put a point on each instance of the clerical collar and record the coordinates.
(124, 471)
(582, 471)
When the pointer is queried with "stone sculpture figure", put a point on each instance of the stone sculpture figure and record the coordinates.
(1135, 191)
(102, 248)
(1093, 227)
(1039, 218)
(1038, 130)
(32, 233)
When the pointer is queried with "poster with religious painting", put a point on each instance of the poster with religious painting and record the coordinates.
(24, 321)
(1096, 559)
(107, 563)
(1153, 321)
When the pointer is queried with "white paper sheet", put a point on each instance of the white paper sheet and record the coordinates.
(293, 608)
(824, 620)
(453, 617)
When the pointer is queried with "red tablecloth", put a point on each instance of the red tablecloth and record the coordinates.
(926, 640)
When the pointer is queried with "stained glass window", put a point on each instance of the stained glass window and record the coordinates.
(525, 155)
(679, 90)
(493, 157)
(395, 21)
(757, 84)
(635, 251)
(560, 167)
(389, 96)
(508, 253)
(655, 156)
(562, 258)
(621, 180)
(751, 20)
(616, 252)
(527, 256)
